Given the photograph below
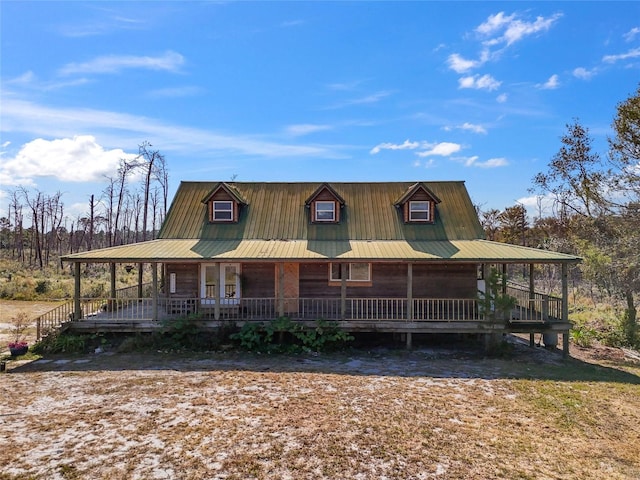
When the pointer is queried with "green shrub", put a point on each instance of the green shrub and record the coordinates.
(582, 335)
(285, 336)
(60, 343)
(42, 287)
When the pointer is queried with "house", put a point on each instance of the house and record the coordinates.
(404, 257)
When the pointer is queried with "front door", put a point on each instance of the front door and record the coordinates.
(225, 280)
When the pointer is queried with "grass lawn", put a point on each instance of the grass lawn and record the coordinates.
(432, 413)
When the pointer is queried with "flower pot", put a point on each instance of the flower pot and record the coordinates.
(15, 351)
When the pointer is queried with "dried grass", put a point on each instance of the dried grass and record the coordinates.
(390, 415)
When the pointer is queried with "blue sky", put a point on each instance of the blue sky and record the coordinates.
(308, 91)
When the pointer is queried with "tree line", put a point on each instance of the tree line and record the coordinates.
(594, 200)
(131, 208)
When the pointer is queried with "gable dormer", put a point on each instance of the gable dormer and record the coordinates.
(418, 204)
(324, 205)
(223, 204)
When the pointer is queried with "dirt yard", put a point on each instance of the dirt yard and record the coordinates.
(436, 412)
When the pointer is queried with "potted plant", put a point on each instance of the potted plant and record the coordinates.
(19, 346)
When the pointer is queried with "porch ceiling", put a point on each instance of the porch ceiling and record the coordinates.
(166, 250)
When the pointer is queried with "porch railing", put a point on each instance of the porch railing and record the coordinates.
(540, 308)
(536, 307)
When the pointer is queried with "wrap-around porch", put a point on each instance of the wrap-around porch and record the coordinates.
(150, 309)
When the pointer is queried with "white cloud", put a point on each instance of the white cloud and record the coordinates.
(170, 61)
(583, 73)
(442, 149)
(427, 149)
(494, 23)
(305, 129)
(471, 127)
(491, 163)
(116, 128)
(484, 82)
(502, 98)
(77, 159)
(461, 65)
(631, 34)
(550, 84)
(507, 30)
(635, 53)
(407, 145)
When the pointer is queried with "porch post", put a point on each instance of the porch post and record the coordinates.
(216, 306)
(140, 272)
(77, 312)
(154, 291)
(409, 302)
(112, 273)
(532, 296)
(565, 308)
(281, 289)
(410, 292)
(343, 290)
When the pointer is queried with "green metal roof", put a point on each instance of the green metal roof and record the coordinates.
(477, 251)
(274, 225)
(278, 211)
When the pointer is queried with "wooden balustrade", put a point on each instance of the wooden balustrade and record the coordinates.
(539, 309)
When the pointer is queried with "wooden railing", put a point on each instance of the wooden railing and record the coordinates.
(536, 307)
(541, 308)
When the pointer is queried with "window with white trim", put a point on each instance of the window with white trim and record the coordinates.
(356, 272)
(419, 211)
(325, 212)
(222, 211)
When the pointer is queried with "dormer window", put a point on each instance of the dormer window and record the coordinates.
(325, 212)
(325, 205)
(223, 204)
(419, 211)
(222, 211)
(418, 204)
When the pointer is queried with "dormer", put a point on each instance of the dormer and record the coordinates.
(324, 205)
(418, 204)
(223, 204)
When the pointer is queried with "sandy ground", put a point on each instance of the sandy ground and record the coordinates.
(436, 412)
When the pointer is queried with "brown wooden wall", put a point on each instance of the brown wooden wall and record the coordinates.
(388, 281)
(258, 280)
(187, 279)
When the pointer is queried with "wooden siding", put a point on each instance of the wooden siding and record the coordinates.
(388, 280)
(258, 280)
(187, 279)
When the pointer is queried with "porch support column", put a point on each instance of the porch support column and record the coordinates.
(410, 292)
(140, 272)
(565, 308)
(154, 291)
(281, 289)
(409, 339)
(112, 277)
(532, 296)
(344, 268)
(216, 296)
(77, 313)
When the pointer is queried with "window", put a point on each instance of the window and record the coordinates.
(419, 211)
(222, 211)
(356, 272)
(325, 211)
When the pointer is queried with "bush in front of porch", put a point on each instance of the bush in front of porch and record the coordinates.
(285, 336)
